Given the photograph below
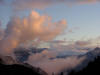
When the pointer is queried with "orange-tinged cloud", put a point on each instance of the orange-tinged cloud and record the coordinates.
(35, 26)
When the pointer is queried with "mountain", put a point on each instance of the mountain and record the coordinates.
(92, 59)
(90, 66)
(8, 66)
(22, 54)
(93, 68)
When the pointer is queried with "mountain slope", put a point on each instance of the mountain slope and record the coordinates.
(90, 66)
(93, 68)
(11, 67)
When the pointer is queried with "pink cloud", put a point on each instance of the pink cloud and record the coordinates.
(40, 4)
(35, 26)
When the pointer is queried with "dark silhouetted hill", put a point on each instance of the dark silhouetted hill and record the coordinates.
(17, 68)
(92, 68)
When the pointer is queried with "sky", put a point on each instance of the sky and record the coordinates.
(82, 19)
(63, 27)
(62, 20)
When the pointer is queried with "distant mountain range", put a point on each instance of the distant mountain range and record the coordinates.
(90, 57)
(90, 66)
(22, 54)
(93, 68)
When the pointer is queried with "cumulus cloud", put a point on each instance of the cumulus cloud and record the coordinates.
(35, 26)
(27, 4)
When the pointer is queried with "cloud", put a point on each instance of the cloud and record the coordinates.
(31, 4)
(57, 41)
(26, 4)
(1, 31)
(35, 26)
(88, 1)
(82, 43)
(40, 4)
(82, 1)
(71, 45)
(57, 65)
(63, 64)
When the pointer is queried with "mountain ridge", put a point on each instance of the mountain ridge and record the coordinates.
(90, 66)
(8, 66)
